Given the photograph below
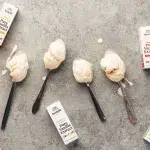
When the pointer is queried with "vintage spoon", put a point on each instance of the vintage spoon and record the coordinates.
(129, 108)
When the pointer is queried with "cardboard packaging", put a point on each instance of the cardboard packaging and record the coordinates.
(62, 122)
(144, 38)
(146, 135)
(7, 15)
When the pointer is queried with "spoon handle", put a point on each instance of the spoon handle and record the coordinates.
(96, 104)
(129, 108)
(37, 102)
(8, 107)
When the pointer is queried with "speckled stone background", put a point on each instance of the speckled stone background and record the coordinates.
(79, 23)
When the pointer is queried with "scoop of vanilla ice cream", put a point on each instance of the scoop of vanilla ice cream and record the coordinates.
(18, 66)
(82, 70)
(50, 61)
(113, 66)
(55, 55)
(58, 50)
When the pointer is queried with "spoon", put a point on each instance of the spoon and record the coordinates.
(115, 69)
(52, 59)
(96, 104)
(37, 102)
(129, 108)
(8, 107)
(18, 67)
(83, 73)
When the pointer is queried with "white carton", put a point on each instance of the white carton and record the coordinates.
(146, 135)
(144, 38)
(7, 15)
(62, 122)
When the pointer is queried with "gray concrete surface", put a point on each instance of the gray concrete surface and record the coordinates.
(80, 24)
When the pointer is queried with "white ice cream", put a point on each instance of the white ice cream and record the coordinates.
(18, 66)
(56, 54)
(113, 66)
(82, 70)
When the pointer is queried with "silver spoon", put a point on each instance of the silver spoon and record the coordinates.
(129, 108)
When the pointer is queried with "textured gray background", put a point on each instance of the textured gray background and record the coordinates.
(79, 23)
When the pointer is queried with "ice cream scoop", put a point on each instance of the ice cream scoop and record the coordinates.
(52, 59)
(18, 66)
(83, 73)
(82, 70)
(114, 68)
(56, 54)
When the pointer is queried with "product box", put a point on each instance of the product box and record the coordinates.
(7, 15)
(62, 122)
(144, 39)
(146, 135)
